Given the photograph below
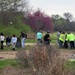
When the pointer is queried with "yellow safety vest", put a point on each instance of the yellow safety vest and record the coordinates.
(62, 37)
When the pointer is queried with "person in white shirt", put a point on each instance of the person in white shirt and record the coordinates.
(14, 41)
(2, 37)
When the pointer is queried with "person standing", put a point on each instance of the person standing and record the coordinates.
(2, 38)
(66, 41)
(39, 37)
(62, 39)
(8, 40)
(58, 35)
(18, 44)
(24, 37)
(47, 38)
(13, 41)
(71, 39)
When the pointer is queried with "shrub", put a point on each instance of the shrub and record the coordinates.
(43, 60)
(40, 60)
(23, 58)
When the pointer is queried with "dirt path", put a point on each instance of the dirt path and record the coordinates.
(66, 54)
(8, 55)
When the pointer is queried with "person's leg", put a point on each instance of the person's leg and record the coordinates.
(13, 46)
(60, 44)
(73, 44)
(65, 44)
(57, 41)
(46, 42)
(38, 41)
(23, 42)
(2, 46)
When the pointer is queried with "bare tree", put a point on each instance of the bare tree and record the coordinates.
(68, 16)
(17, 5)
(10, 8)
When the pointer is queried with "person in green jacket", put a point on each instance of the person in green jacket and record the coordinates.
(62, 39)
(71, 39)
(66, 40)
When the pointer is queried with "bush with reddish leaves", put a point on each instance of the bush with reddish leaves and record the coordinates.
(39, 21)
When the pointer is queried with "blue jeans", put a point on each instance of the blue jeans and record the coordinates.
(23, 42)
(39, 41)
(61, 44)
(47, 42)
(72, 44)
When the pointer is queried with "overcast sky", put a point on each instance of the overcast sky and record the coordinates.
(51, 7)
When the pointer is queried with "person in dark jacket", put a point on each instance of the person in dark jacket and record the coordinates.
(18, 44)
(47, 38)
(24, 37)
(8, 40)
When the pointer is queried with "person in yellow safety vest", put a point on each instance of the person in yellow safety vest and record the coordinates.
(66, 41)
(71, 38)
(61, 39)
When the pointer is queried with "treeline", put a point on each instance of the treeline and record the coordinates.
(64, 23)
(11, 11)
(11, 16)
(18, 13)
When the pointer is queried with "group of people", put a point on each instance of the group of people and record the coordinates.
(40, 39)
(20, 41)
(14, 41)
(66, 40)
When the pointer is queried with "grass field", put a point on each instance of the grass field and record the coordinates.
(8, 62)
(70, 65)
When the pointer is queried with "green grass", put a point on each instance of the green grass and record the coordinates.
(8, 62)
(11, 29)
(53, 36)
(9, 48)
(70, 65)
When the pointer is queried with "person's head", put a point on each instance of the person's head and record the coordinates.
(59, 31)
(48, 31)
(14, 35)
(69, 32)
(63, 32)
(1, 33)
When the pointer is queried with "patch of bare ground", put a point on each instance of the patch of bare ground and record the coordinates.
(9, 54)
(65, 54)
